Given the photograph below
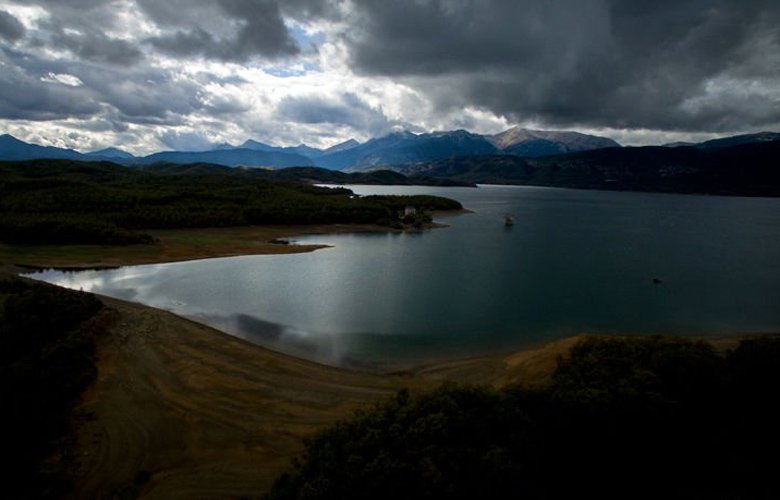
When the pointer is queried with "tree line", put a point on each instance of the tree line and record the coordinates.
(61, 201)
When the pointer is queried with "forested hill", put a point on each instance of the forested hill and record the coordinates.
(746, 170)
(67, 201)
(308, 175)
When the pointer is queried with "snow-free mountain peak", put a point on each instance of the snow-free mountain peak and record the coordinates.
(343, 146)
(112, 153)
(740, 139)
(526, 142)
(13, 149)
(256, 146)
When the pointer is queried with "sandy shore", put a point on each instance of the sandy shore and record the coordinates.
(211, 416)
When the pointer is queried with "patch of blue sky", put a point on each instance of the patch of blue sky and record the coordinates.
(297, 69)
(305, 38)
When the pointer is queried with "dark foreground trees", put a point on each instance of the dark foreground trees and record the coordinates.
(623, 418)
(46, 361)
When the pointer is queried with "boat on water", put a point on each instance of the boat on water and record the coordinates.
(508, 220)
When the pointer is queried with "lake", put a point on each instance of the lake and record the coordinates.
(574, 261)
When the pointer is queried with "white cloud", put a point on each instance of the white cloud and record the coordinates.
(63, 78)
(29, 15)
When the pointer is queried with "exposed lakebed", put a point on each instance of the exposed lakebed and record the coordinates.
(574, 261)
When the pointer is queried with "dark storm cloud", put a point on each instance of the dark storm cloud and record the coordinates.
(243, 29)
(97, 47)
(348, 109)
(138, 94)
(10, 27)
(24, 96)
(311, 9)
(105, 75)
(444, 37)
(80, 27)
(225, 30)
(75, 5)
(83, 15)
(621, 63)
(144, 95)
(697, 65)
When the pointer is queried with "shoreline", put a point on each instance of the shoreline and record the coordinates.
(720, 341)
(180, 245)
(207, 414)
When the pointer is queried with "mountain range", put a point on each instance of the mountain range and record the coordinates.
(733, 167)
(741, 165)
(534, 143)
(516, 156)
(12, 149)
(392, 149)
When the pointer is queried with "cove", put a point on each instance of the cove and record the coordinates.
(574, 261)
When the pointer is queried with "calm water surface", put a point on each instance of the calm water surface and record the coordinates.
(575, 261)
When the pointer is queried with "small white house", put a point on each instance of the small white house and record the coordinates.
(410, 211)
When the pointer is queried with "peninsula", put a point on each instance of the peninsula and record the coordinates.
(64, 213)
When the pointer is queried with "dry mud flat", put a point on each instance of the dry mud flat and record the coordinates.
(180, 410)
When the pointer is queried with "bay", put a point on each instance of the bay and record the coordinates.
(574, 261)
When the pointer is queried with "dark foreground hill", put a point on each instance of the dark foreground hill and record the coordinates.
(623, 418)
(746, 169)
(47, 359)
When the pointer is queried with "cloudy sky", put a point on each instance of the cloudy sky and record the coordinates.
(147, 75)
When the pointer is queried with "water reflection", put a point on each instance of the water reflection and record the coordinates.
(574, 261)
